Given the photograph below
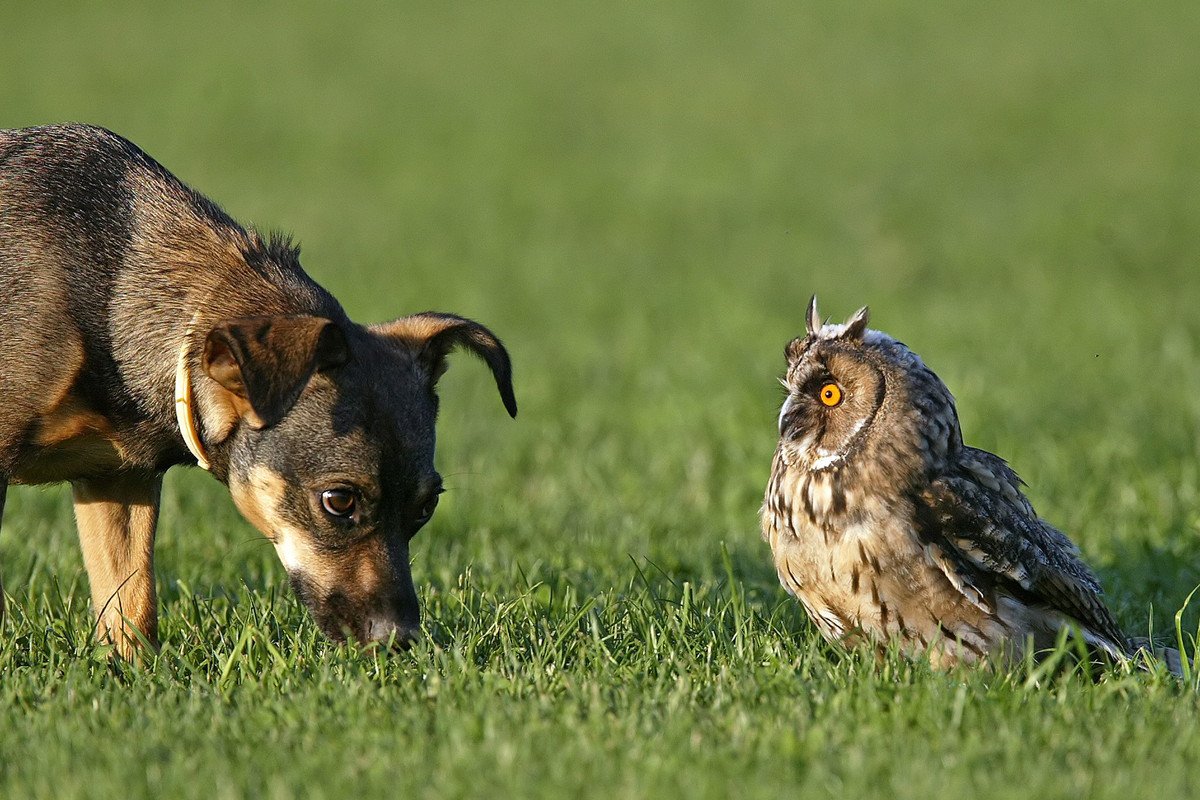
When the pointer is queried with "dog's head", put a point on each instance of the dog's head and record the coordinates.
(324, 432)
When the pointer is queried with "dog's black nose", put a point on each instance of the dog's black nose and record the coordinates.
(384, 630)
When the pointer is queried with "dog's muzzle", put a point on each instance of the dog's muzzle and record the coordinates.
(400, 635)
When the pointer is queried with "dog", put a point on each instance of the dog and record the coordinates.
(143, 328)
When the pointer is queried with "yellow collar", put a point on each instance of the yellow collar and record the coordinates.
(185, 413)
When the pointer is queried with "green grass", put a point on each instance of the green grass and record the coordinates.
(640, 200)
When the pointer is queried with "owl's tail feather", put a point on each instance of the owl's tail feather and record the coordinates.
(1171, 658)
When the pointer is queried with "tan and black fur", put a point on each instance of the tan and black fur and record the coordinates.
(117, 280)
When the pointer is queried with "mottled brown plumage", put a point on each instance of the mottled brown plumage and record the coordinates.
(887, 527)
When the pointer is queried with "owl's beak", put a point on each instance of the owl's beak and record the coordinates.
(784, 413)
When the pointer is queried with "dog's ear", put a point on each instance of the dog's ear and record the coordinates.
(433, 335)
(265, 362)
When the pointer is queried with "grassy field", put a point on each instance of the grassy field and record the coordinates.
(640, 199)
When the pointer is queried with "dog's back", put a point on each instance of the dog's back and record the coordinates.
(102, 251)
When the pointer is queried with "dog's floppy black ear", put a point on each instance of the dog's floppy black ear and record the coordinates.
(432, 335)
(265, 362)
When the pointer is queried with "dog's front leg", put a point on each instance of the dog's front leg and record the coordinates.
(117, 516)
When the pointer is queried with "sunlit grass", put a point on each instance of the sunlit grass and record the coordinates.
(640, 200)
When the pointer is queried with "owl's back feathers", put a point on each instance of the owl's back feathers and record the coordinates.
(976, 511)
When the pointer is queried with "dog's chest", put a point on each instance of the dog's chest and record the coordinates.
(73, 441)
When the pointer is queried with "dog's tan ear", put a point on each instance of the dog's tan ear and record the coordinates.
(265, 362)
(433, 335)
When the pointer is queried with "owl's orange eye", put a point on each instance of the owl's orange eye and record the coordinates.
(830, 394)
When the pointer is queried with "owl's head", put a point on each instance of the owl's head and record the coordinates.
(857, 396)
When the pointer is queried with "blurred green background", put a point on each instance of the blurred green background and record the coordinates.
(639, 199)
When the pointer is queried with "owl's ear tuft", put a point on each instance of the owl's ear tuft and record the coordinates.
(812, 319)
(856, 326)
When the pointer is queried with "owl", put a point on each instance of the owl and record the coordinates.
(888, 528)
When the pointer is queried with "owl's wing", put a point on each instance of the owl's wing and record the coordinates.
(990, 536)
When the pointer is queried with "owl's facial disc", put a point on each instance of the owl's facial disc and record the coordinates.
(832, 402)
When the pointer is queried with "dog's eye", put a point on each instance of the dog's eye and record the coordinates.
(338, 502)
(427, 510)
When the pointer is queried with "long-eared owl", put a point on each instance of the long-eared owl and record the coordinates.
(887, 527)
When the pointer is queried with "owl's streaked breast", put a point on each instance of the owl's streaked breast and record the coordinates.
(871, 579)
